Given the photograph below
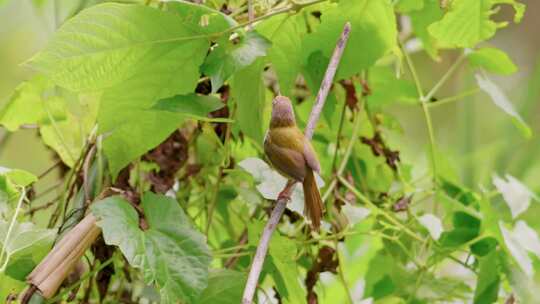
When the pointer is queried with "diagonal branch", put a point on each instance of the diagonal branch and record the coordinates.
(262, 248)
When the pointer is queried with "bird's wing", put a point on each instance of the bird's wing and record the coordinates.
(289, 162)
(311, 157)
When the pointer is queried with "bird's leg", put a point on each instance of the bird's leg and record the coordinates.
(286, 193)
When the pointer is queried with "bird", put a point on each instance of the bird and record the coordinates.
(293, 156)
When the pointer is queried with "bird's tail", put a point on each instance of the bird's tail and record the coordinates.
(313, 206)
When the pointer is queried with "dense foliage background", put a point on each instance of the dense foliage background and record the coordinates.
(151, 115)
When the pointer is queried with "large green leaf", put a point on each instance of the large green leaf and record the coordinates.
(406, 6)
(136, 55)
(493, 60)
(286, 33)
(26, 246)
(469, 22)
(487, 284)
(373, 34)
(248, 92)
(224, 287)
(283, 252)
(230, 57)
(170, 253)
(108, 43)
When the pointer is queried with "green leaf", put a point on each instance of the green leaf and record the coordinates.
(192, 105)
(459, 193)
(421, 20)
(501, 101)
(106, 44)
(209, 147)
(137, 55)
(516, 195)
(372, 21)
(466, 228)
(283, 252)
(469, 22)
(407, 6)
(201, 18)
(248, 91)
(487, 286)
(233, 56)
(484, 246)
(18, 177)
(68, 136)
(31, 95)
(224, 287)
(170, 253)
(386, 89)
(26, 246)
(285, 54)
(493, 60)
(10, 286)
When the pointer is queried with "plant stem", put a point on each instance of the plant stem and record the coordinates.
(338, 136)
(444, 78)
(378, 210)
(345, 159)
(452, 98)
(10, 230)
(281, 204)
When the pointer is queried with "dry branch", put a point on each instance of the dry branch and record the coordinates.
(281, 204)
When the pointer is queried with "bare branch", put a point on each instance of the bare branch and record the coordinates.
(281, 204)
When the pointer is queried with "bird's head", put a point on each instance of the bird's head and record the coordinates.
(282, 112)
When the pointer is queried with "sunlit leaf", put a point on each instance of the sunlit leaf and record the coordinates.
(421, 20)
(492, 60)
(469, 22)
(372, 21)
(406, 6)
(31, 95)
(285, 54)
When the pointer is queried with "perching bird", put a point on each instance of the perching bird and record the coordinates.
(292, 155)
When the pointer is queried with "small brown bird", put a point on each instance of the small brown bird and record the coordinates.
(292, 155)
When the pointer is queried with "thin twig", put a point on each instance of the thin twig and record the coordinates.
(251, 14)
(6, 241)
(281, 204)
(49, 170)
